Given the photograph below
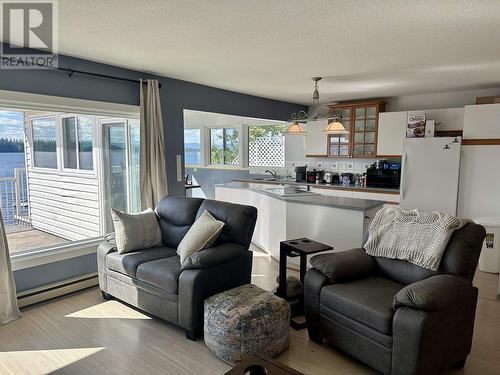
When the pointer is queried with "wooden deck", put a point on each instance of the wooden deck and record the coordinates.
(23, 238)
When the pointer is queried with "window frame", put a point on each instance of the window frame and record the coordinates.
(247, 144)
(39, 104)
(209, 129)
(62, 145)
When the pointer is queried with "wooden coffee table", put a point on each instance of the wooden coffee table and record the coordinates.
(261, 365)
(300, 247)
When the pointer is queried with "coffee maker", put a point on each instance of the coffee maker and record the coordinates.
(300, 173)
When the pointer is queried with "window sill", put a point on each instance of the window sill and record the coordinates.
(33, 258)
(222, 166)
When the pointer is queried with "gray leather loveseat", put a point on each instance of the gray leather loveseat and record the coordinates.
(153, 279)
(392, 315)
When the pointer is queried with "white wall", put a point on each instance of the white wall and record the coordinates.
(452, 99)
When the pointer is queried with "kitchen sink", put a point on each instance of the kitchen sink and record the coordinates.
(265, 179)
(289, 191)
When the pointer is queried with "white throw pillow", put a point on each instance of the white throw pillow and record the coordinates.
(201, 235)
(135, 231)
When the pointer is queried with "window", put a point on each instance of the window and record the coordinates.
(44, 142)
(50, 207)
(224, 146)
(266, 145)
(69, 135)
(77, 145)
(192, 146)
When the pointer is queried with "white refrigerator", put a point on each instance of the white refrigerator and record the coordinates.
(430, 172)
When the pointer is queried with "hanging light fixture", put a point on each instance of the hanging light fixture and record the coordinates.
(316, 112)
(295, 129)
(335, 127)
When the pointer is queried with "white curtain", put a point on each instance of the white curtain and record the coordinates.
(9, 310)
(153, 173)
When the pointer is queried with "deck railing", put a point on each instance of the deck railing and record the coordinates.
(14, 198)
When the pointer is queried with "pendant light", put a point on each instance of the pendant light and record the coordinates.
(295, 129)
(316, 112)
(335, 127)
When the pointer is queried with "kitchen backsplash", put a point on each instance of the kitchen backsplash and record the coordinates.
(338, 165)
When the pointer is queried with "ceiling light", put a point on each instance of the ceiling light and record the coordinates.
(335, 127)
(295, 129)
(315, 112)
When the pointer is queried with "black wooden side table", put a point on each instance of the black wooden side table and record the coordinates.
(261, 365)
(301, 247)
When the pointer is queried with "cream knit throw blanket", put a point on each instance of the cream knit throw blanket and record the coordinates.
(419, 237)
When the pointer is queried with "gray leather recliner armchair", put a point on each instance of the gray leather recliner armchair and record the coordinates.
(153, 279)
(394, 316)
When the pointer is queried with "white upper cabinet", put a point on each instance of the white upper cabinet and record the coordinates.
(482, 121)
(391, 132)
(449, 118)
(392, 126)
(316, 138)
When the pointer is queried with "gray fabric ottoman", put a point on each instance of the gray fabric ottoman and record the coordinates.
(246, 320)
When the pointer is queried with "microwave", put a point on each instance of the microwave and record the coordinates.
(383, 178)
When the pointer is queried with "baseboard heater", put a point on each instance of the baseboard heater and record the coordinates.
(50, 291)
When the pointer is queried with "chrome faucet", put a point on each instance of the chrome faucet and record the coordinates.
(272, 173)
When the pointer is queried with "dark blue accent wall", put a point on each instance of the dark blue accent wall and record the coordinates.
(33, 277)
(176, 95)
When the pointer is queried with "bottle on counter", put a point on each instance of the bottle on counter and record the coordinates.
(363, 180)
(319, 177)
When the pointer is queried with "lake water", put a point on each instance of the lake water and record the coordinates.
(8, 162)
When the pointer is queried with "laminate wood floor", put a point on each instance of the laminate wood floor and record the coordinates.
(83, 334)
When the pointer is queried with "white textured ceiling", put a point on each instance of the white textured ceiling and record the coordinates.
(198, 119)
(271, 48)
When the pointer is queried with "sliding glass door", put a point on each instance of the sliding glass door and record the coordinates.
(120, 154)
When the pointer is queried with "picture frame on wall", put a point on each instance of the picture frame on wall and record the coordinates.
(416, 126)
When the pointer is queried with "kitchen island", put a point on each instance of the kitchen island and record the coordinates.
(336, 221)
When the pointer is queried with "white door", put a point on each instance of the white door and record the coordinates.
(430, 174)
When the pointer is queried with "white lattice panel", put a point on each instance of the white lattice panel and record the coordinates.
(267, 152)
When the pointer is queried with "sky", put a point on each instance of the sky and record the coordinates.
(11, 124)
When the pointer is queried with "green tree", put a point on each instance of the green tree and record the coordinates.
(11, 145)
(224, 147)
(260, 131)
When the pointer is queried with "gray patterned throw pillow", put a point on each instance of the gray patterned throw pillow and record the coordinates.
(135, 231)
(201, 235)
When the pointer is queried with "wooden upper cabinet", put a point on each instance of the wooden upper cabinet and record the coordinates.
(361, 120)
(340, 145)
